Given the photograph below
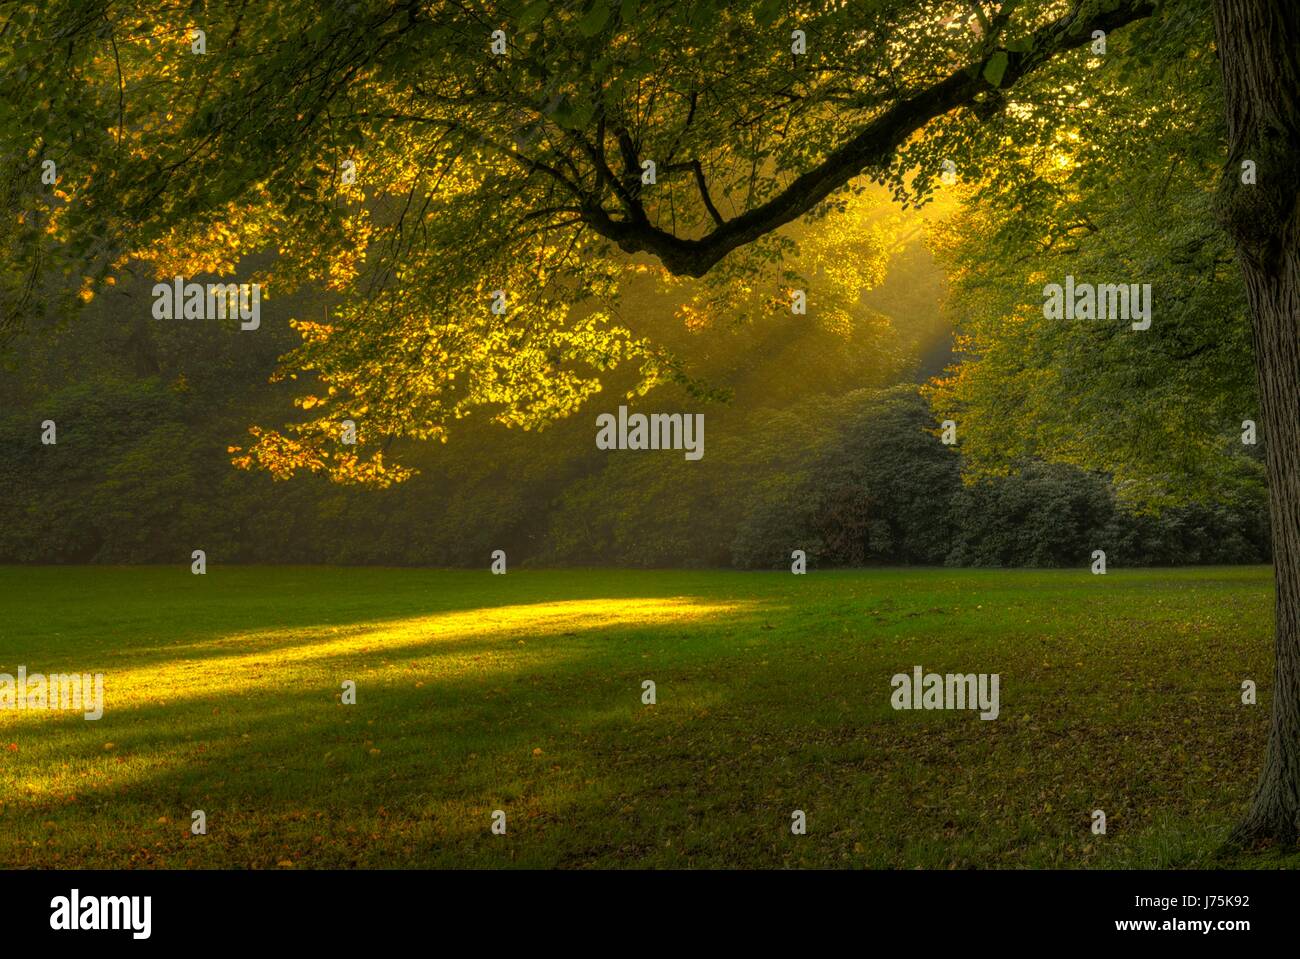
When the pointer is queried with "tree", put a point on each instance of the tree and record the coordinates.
(1122, 193)
(1259, 50)
(390, 155)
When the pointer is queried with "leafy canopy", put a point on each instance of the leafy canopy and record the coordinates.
(519, 172)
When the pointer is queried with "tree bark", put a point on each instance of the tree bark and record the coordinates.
(1259, 54)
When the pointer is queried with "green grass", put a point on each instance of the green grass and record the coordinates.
(523, 693)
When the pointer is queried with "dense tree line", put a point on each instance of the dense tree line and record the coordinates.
(139, 475)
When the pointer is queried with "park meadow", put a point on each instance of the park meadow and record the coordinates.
(524, 693)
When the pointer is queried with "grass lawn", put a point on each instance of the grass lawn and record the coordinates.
(523, 693)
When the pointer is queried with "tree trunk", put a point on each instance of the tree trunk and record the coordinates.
(1259, 52)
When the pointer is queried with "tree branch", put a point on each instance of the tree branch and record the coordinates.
(704, 193)
(872, 147)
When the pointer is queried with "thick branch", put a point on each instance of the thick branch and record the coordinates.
(872, 147)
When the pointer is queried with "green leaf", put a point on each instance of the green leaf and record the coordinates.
(573, 115)
(594, 19)
(532, 14)
(563, 112)
(768, 12)
(995, 68)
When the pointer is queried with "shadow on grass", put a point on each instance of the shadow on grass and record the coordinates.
(431, 760)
